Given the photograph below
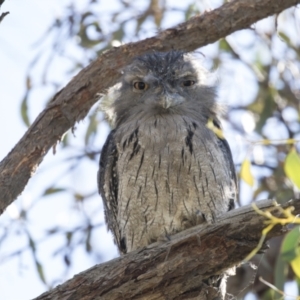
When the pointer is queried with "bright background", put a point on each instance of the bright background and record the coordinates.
(19, 33)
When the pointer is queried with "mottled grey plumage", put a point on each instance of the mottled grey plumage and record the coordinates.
(161, 169)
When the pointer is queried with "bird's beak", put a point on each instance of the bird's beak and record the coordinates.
(168, 100)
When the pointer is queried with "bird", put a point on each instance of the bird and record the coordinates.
(162, 169)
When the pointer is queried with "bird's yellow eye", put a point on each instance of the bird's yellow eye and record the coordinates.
(140, 85)
(188, 82)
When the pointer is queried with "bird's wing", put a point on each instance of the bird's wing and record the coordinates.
(108, 187)
(225, 148)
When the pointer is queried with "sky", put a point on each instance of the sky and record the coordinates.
(19, 31)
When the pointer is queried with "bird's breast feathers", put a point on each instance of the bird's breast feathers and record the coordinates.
(172, 175)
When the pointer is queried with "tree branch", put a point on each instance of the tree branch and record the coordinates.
(73, 102)
(3, 15)
(176, 269)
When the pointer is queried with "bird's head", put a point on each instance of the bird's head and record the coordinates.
(159, 83)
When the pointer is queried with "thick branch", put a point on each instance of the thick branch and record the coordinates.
(176, 269)
(73, 102)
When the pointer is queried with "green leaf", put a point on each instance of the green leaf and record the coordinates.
(280, 275)
(88, 21)
(291, 249)
(295, 264)
(24, 111)
(292, 167)
(52, 190)
(284, 37)
(24, 104)
(223, 45)
(290, 244)
(245, 173)
(40, 270)
(39, 267)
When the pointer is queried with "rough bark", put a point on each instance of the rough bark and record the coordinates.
(176, 269)
(73, 102)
